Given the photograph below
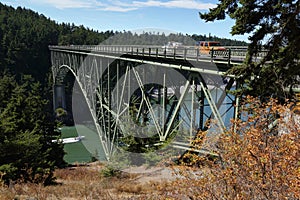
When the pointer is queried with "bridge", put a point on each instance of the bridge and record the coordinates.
(148, 94)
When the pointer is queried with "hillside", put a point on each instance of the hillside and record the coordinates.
(25, 36)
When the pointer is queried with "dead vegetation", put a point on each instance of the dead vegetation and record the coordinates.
(86, 182)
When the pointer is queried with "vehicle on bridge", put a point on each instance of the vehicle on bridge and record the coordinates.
(206, 47)
(173, 45)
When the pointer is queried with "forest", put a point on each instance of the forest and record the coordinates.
(160, 38)
(27, 121)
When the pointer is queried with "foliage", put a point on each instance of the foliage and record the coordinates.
(109, 171)
(160, 38)
(25, 36)
(223, 41)
(24, 41)
(70, 34)
(257, 160)
(61, 116)
(27, 123)
(273, 26)
(25, 151)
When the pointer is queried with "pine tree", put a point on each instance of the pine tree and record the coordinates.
(26, 151)
(273, 26)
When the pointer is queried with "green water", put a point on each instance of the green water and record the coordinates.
(86, 149)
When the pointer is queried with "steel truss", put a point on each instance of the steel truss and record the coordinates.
(147, 102)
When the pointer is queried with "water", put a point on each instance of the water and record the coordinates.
(77, 152)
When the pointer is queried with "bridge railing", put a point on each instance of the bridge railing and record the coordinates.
(231, 54)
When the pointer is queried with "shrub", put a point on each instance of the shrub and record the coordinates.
(259, 158)
(109, 171)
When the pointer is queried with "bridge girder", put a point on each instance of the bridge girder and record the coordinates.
(126, 94)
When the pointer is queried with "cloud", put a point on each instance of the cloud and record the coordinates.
(64, 4)
(69, 4)
(118, 8)
(121, 6)
(187, 4)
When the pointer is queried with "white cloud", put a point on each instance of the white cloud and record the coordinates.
(119, 6)
(63, 4)
(187, 4)
(69, 4)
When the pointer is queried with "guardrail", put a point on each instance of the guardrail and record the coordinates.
(231, 55)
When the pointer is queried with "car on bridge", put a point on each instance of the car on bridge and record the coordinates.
(206, 47)
(173, 45)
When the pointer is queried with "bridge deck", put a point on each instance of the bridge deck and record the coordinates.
(188, 58)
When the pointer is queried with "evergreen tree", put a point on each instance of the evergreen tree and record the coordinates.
(26, 151)
(273, 26)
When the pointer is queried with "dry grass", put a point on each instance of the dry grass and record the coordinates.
(84, 182)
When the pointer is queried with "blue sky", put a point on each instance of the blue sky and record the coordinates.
(174, 15)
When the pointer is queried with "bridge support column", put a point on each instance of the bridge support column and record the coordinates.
(59, 97)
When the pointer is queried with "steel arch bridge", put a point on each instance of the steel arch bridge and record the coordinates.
(158, 95)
